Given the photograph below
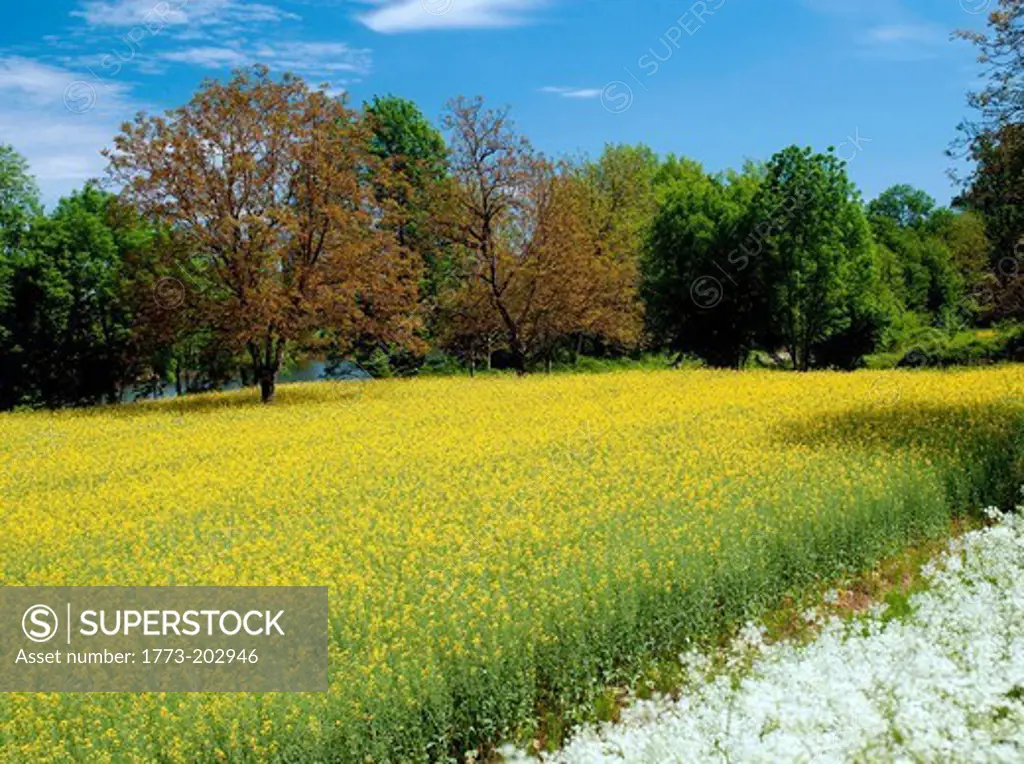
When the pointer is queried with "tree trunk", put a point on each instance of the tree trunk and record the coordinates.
(515, 347)
(266, 362)
(519, 362)
(268, 384)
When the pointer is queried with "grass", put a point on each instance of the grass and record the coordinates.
(499, 551)
(933, 675)
(891, 581)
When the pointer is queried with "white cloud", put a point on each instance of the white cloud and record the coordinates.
(305, 58)
(207, 34)
(908, 42)
(208, 57)
(59, 121)
(61, 107)
(900, 33)
(31, 79)
(392, 16)
(581, 93)
(126, 14)
(885, 29)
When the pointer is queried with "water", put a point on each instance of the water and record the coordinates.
(307, 371)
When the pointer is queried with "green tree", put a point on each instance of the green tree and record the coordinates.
(964, 234)
(702, 272)
(866, 306)
(996, 192)
(904, 205)
(993, 140)
(622, 207)
(924, 273)
(623, 179)
(416, 157)
(70, 316)
(818, 254)
(19, 205)
(404, 139)
(19, 198)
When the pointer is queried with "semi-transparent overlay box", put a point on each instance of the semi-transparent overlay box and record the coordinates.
(163, 639)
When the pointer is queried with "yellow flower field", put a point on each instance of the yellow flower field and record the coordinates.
(494, 548)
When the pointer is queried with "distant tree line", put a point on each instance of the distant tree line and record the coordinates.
(265, 222)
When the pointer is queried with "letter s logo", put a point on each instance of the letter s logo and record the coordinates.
(39, 623)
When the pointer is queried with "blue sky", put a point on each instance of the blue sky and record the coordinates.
(719, 80)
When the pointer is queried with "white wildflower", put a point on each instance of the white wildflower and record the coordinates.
(751, 636)
(945, 684)
(877, 609)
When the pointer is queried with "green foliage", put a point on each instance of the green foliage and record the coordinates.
(697, 241)
(403, 133)
(779, 259)
(929, 347)
(993, 140)
(19, 199)
(379, 364)
(440, 364)
(19, 204)
(197, 362)
(996, 193)
(928, 255)
(69, 317)
(819, 267)
(963, 233)
(416, 152)
(624, 178)
(904, 205)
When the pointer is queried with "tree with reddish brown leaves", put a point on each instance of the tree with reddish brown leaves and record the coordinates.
(270, 190)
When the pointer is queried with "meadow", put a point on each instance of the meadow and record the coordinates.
(497, 550)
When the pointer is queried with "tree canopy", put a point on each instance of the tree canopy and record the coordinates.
(266, 222)
(269, 189)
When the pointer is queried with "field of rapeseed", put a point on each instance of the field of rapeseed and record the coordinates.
(494, 549)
